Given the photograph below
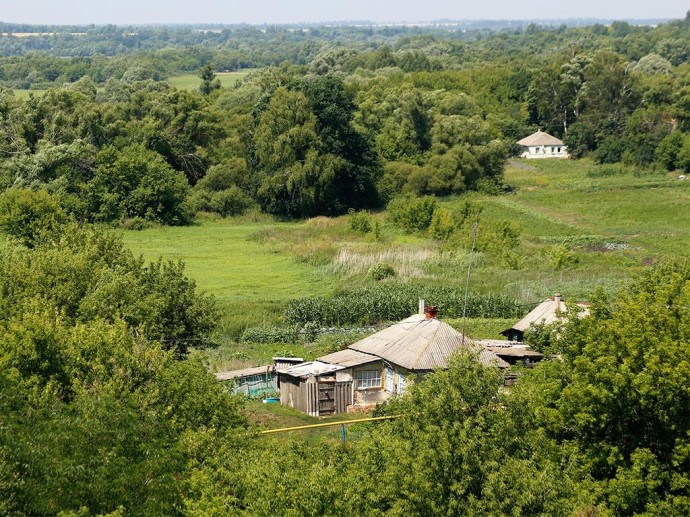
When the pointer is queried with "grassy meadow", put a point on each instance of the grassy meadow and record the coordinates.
(25, 94)
(613, 220)
(192, 81)
(182, 82)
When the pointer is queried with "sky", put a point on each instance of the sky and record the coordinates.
(294, 11)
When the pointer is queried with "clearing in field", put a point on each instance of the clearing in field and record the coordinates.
(192, 81)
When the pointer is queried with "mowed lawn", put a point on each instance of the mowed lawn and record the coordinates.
(225, 261)
(192, 81)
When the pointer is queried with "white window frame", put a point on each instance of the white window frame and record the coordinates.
(402, 384)
(368, 379)
(390, 380)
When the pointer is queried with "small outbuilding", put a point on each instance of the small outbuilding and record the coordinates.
(542, 145)
(257, 381)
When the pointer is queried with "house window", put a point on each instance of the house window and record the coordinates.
(368, 379)
(390, 380)
(402, 384)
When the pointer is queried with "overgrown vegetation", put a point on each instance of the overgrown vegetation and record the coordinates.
(106, 403)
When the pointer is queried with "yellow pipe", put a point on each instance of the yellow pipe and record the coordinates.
(311, 426)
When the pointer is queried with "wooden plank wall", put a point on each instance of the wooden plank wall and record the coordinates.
(343, 396)
(312, 399)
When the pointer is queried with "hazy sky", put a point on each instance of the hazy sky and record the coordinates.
(287, 11)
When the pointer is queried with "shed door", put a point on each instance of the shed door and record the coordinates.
(326, 396)
(343, 396)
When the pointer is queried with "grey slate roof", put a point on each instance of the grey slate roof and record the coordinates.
(540, 138)
(418, 343)
(349, 358)
(546, 312)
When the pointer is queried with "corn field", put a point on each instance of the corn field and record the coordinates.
(393, 302)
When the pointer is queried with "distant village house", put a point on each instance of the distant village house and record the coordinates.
(542, 145)
(547, 312)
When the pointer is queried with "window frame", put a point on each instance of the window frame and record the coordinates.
(366, 379)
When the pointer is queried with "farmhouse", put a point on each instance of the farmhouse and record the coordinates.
(542, 145)
(377, 367)
(549, 311)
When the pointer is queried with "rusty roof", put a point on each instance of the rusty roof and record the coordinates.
(418, 343)
(349, 358)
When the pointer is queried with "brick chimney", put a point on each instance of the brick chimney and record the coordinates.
(430, 311)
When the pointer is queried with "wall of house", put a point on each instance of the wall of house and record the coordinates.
(545, 151)
(372, 395)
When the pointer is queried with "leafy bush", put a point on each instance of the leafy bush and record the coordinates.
(393, 302)
(359, 221)
(231, 201)
(382, 271)
(561, 257)
(410, 214)
(442, 224)
(27, 215)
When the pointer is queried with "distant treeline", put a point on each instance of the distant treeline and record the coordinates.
(59, 54)
(337, 125)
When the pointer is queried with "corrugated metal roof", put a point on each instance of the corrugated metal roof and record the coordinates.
(540, 138)
(514, 351)
(546, 312)
(310, 369)
(349, 358)
(245, 372)
(418, 343)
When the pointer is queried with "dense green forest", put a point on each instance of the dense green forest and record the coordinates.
(106, 403)
(344, 126)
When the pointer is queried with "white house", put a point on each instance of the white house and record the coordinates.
(542, 145)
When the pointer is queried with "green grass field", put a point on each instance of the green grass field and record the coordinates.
(250, 281)
(24, 94)
(255, 268)
(182, 82)
(192, 81)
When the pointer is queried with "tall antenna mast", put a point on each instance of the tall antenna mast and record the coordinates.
(467, 282)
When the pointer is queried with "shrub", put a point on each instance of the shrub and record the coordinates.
(231, 201)
(27, 215)
(382, 271)
(442, 224)
(269, 335)
(359, 221)
(410, 214)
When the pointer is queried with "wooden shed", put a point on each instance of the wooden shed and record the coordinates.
(315, 388)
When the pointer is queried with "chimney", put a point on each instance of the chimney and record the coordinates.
(557, 300)
(421, 306)
(430, 312)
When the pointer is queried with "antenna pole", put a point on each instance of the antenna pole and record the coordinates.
(467, 282)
